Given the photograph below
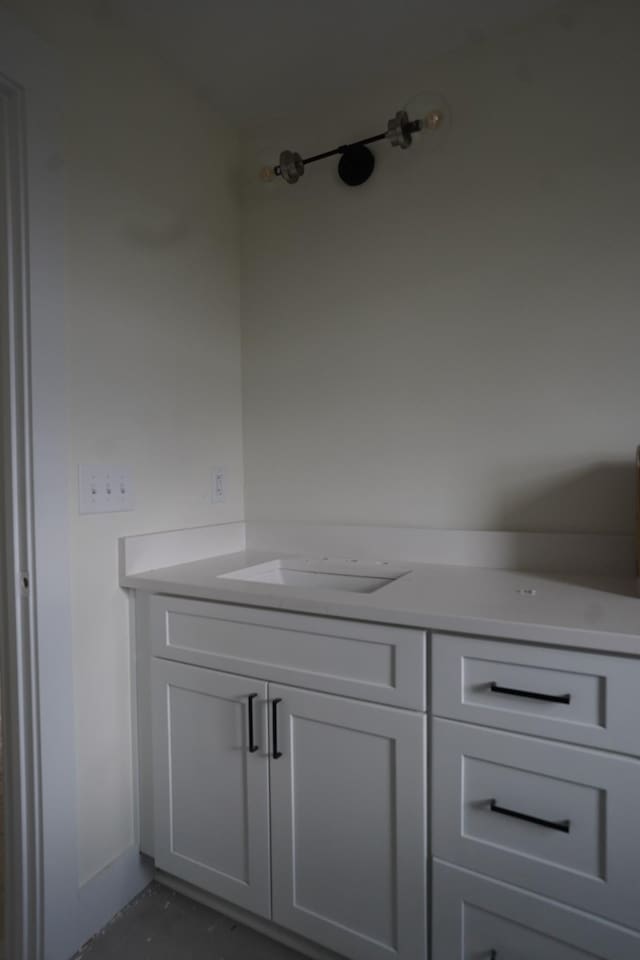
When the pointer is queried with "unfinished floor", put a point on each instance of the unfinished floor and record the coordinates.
(163, 925)
(2, 947)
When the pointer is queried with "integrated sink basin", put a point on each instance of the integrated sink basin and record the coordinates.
(349, 576)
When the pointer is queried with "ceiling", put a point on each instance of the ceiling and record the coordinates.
(257, 60)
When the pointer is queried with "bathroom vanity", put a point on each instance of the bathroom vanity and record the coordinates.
(361, 770)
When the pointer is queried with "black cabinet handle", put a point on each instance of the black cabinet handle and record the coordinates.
(493, 955)
(253, 746)
(274, 724)
(562, 825)
(531, 694)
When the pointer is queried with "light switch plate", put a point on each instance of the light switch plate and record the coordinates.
(105, 488)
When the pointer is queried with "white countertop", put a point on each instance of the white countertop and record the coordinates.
(589, 613)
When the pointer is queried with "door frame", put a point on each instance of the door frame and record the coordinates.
(23, 855)
(37, 674)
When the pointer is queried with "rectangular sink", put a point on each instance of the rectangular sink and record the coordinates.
(306, 573)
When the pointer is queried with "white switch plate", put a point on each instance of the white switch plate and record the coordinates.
(219, 485)
(105, 488)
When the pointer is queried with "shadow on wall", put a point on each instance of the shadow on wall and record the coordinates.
(604, 492)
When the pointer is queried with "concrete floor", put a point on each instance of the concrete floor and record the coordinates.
(163, 925)
(2, 950)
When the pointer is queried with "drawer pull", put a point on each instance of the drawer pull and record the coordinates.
(274, 721)
(253, 746)
(531, 694)
(562, 825)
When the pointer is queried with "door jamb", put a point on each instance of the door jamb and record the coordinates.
(18, 655)
(31, 73)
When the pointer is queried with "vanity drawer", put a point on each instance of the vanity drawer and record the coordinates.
(558, 820)
(568, 695)
(367, 661)
(481, 919)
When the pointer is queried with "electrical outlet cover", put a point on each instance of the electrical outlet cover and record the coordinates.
(219, 485)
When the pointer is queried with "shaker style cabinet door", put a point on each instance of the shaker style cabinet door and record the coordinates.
(348, 824)
(211, 782)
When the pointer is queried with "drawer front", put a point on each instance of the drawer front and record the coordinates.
(583, 698)
(362, 660)
(557, 820)
(481, 919)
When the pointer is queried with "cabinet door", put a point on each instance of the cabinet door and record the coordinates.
(211, 791)
(348, 824)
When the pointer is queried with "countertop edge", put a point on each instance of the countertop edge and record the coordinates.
(549, 634)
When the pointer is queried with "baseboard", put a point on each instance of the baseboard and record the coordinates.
(106, 894)
(266, 927)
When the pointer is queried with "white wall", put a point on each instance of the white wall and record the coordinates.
(456, 343)
(153, 348)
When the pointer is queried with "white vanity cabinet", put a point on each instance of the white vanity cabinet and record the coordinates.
(303, 807)
(283, 770)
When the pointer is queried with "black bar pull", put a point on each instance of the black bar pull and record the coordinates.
(531, 694)
(562, 825)
(274, 723)
(493, 955)
(253, 746)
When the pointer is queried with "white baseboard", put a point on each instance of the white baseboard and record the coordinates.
(106, 894)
